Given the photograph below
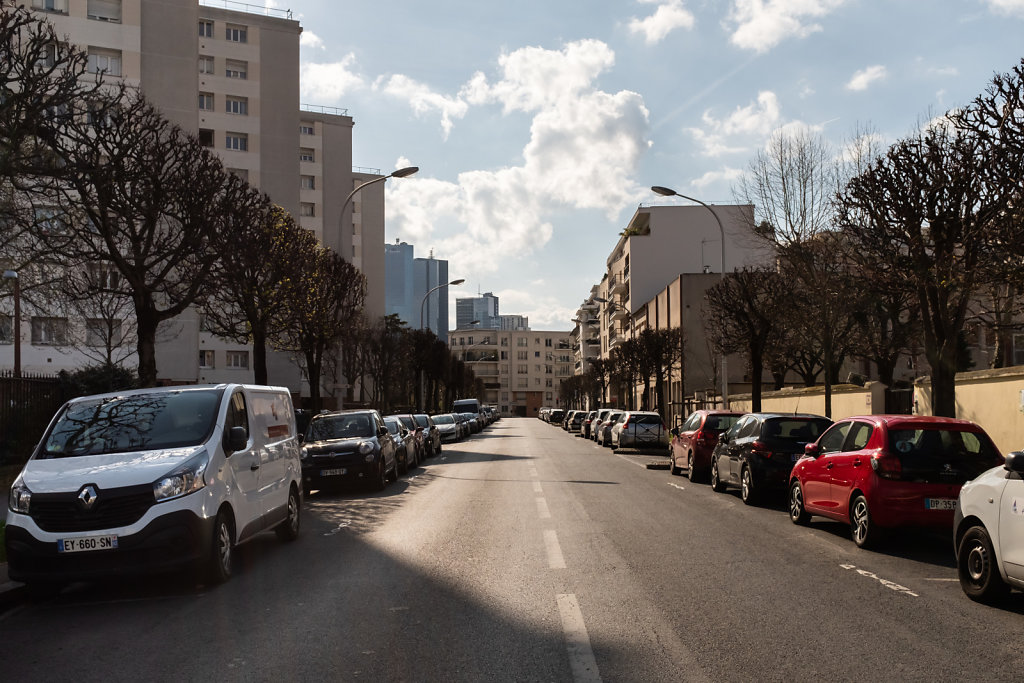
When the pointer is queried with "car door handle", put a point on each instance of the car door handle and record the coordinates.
(255, 466)
(856, 463)
(830, 466)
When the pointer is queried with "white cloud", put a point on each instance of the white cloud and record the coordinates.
(669, 16)
(327, 83)
(755, 120)
(760, 25)
(583, 147)
(544, 311)
(726, 175)
(423, 100)
(311, 40)
(1007, 6)
(865, 77)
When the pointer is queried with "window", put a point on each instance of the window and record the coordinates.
(50, 220)
(306, 128)
(6, 329)
(242, 173)
(104, 61)
(234, 68)
(522, 369)
(103, 276)
(469, 341)
(206, 101)
(1018, 349)
(547, 382)
(537, 341)
(522, 355)
(237, 105)
(206, 28)
(832, 440)
(205, 65)
(236, 33)
(237, 415)
(536, 381)
(307, 209)
(522, 341)
(238, 360)
(522, 383)
(547, 395)
(237, 141)
(102, 332)
(504, 355)
(48, 58)
(51, 5)
(306, 154)
(547, 342)
(307, 182)
(49, 331)
(504, 341)
(104, 10)
(504, 396)
(206, 137)
(206, 358)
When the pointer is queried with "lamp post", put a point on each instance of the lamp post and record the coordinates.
(423, 303)
(400, 173)
(13, 275)
(668, 192)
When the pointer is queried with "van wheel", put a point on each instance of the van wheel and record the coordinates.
(288, 530)
(219, 564)
(976, 567)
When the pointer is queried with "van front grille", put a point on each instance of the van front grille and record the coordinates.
(64, 512)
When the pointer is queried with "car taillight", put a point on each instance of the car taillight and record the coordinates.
(626, 423)
(700, 437)
(887, 467)
(760, 448)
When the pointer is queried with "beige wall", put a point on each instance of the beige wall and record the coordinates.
(847, 400)
(992, 398)
(170, 76)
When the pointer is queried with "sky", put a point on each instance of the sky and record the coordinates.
(540, 125)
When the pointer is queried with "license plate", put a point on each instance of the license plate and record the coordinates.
(333, 472)
(78, 545)
(796, 456)
(940, 503)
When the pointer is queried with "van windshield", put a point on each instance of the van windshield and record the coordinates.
(119, 424)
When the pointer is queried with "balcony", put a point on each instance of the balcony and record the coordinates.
(618, 313)
(616, 285)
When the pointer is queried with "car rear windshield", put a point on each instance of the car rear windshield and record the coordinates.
(173, 419)
(444, 419)
(645, 419)
(795, 429)
(720, 423)
(422, 421)
(942, 454)
(341, 427)
(407, 421)
(392, 425)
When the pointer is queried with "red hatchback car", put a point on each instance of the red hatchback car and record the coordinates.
(693, 441)
(883, 471)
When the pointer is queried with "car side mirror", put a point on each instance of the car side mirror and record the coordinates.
(812, 449)
(1015, 462)
(675, 431)
(237, 439)
(381, 431)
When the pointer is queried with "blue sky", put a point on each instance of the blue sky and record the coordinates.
(539, 126)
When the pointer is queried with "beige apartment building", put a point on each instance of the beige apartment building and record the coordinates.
(229, 72)
(521, 369)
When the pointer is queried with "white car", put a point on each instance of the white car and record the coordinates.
(642, 430)
(155, 480)
(988, 532)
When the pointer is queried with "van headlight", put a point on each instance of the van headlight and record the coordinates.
(20, 497)
(186, 479)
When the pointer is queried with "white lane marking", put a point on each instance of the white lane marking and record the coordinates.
(676, 486)
(577, 640)
(542, 509)
(555, 558)
(949, 580)
(533, 472)
(537, 488)
(891, 585)
(338, 528)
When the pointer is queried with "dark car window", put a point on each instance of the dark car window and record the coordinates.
(342, 427)
(392, 425)
(645, 419)
(795, 429)
(407, 421)
(832, 440)
(720, 423)
(945, 455)
(860, 434)
(422, 421)
(173, 419)
(748, 428)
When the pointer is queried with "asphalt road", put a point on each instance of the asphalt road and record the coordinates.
(525, 554)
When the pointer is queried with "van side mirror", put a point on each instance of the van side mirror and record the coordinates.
(237, 439)
(1015, 462)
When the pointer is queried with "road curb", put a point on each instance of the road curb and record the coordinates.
(11, 592)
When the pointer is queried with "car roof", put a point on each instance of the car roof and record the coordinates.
(907, 421)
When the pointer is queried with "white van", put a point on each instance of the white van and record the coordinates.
(155, 480)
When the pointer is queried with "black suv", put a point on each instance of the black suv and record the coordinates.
(346, 446)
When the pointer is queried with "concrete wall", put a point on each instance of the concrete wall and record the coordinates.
(992, 398)
(847, 400)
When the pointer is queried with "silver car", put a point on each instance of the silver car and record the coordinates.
(641, 430)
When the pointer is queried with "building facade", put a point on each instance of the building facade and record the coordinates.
(408, 280)
(483, 309)
(522, 370)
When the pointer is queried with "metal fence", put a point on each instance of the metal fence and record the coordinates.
(26, 405)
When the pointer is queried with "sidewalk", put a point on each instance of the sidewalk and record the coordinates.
(11, 592)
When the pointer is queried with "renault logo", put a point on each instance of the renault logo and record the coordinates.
(87, 497)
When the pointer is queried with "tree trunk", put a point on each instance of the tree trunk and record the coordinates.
(756, 369)
(313, 376)
(944, 380)
(147, 322)
(259, 355)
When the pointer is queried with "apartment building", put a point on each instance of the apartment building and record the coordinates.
(521, 369)
(228, 72)
(483, 309)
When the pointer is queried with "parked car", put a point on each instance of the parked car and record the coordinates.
(155, 480)
(572, 423)
(988, 531)
(567, 419)
(595, 424)
(876, 472)
(695, 440)
(472, 423)
(544, 414)
(757, 453)
(431, 434)
(419, 438)
(604, 437)
(463, 424)
(405, 443)
(447, 427)
(556, 416)
(641, 430)
(588, 419)
(346, 446)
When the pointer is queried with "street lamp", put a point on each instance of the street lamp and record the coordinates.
(13, 275)
(400, 173)
(668, 192)
(422, 304)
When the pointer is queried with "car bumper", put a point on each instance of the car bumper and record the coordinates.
(169, 542)
(898, 506)
(313, 476)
